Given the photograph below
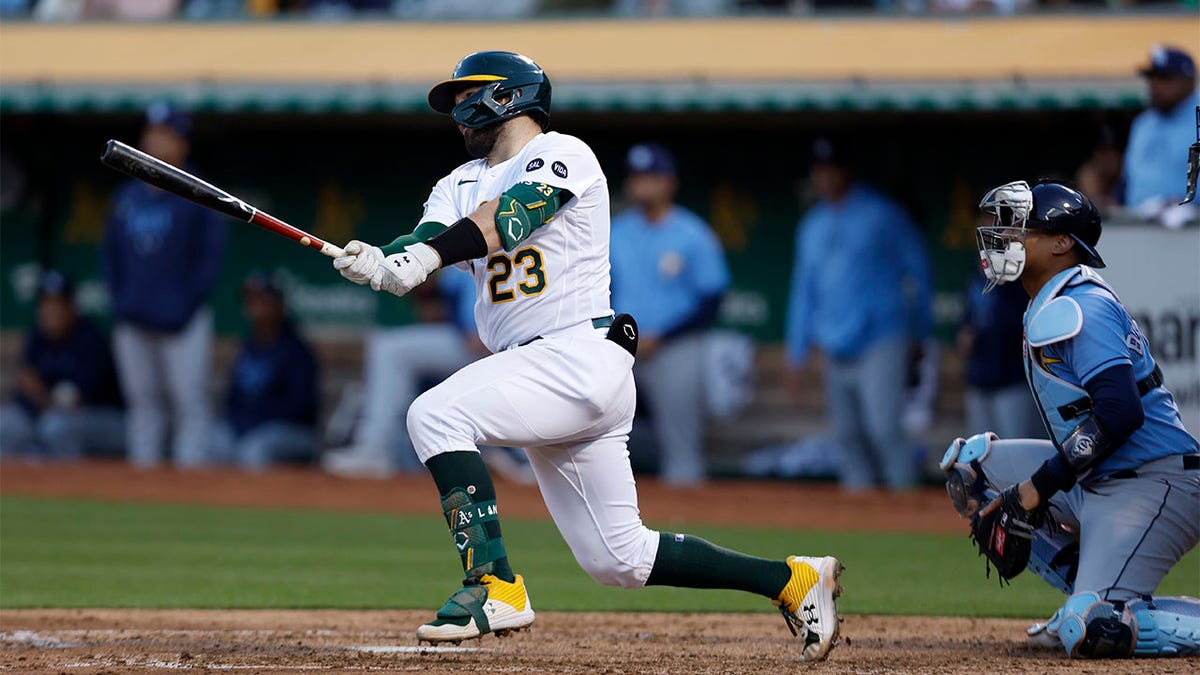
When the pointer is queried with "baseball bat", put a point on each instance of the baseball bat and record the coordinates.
(178, 182)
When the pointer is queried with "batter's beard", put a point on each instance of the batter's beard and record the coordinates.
(480, 141)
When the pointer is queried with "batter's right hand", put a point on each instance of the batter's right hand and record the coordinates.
(360, 261)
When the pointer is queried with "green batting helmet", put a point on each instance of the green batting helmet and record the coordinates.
(512, 85)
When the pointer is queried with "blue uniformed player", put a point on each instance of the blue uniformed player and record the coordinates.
(668, 269)
(1121, 473)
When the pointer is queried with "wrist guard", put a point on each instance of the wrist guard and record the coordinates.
(461, 241)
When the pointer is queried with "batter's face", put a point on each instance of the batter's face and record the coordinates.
(480, 141)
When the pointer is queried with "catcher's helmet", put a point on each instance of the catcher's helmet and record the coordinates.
(512, 85)
(1047, 206)
(1059, 208)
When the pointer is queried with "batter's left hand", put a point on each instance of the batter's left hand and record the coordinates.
(401, 272)
(1029, 498)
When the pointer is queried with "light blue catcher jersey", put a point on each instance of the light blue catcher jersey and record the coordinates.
(1075, 329)
(661, 271)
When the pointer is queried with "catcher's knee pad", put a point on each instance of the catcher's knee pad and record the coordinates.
(965, 481)
(1167, 626)
(1093, 628)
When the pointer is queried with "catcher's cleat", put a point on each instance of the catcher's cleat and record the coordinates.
(1045, 635)
(486, 605)
(809, 603)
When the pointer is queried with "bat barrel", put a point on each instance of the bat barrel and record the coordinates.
(160, 174)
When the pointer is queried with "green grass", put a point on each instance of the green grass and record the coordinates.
(57, 553)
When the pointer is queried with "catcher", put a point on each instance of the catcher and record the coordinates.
(1106, 508)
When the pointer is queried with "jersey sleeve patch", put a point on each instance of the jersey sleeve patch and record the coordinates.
(564, 162)
(1058, 320)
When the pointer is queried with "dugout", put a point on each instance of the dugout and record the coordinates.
(325, 126)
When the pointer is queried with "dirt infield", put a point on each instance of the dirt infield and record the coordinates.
(138, 641)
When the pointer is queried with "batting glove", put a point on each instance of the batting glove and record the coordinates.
(401, 272)
(360, 262)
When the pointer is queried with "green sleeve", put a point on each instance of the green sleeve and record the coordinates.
(524, 208)
(422, 233)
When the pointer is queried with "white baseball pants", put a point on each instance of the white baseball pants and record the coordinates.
(568, 399)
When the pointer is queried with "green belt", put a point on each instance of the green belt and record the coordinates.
(601, 322)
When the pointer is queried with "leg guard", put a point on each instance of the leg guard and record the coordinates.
(1167, 626)
(1055, 558)
(468, 523)
(1093, 628)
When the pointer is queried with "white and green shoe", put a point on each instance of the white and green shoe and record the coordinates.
(489, 605)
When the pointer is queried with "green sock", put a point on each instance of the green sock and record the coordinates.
(691, 562)
(465, 486)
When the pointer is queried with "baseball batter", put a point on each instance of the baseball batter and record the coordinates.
(529, 219)
(1120, 477)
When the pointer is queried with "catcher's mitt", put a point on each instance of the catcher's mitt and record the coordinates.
(1005, 536)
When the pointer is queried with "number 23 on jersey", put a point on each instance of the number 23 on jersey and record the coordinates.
(527, 262)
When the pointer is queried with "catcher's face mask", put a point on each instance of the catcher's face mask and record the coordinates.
(1002, 245)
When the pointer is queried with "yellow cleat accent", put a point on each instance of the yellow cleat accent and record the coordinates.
(809, 603)
(502, 608)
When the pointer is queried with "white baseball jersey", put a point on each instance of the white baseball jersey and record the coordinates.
(557, 277)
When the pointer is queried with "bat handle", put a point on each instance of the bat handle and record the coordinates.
(331, 250)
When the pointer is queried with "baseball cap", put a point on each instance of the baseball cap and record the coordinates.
(258, 281)
(826, 151)
(1167, 60)
(164, 113)
(650, 158)
(55, 284)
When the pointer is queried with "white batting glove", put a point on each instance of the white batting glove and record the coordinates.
(360, 262)
(401, 272)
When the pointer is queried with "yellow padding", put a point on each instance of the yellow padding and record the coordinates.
(510, 594)
(804, 577)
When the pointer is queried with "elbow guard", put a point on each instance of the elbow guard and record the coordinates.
(524, 208)
(1087, 445)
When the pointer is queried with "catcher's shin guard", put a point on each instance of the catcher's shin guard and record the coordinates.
(1167, 626)
(1093, 628)
(1055, 558)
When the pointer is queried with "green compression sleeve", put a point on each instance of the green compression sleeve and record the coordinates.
(423, 232)
(524, 208)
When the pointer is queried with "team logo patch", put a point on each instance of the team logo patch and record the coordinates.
(535, 164)
(1134, 342)
(559, 169)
